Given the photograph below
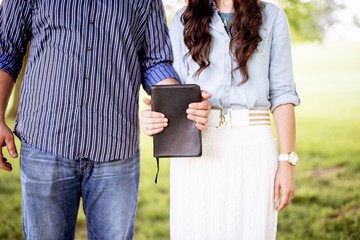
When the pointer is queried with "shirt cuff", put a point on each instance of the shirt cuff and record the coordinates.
(158, 73)
(10, 65)
(284, 99)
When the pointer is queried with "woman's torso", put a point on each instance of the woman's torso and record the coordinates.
(270, 70)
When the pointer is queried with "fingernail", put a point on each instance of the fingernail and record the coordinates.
(166, 120)
(165, 124)
(276, 204)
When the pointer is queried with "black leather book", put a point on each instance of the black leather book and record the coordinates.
(180, 138)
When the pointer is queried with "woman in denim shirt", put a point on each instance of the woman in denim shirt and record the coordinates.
(240, 52)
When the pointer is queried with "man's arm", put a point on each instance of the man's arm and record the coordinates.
(156, 56)
(6, 136)
(15, 32)
(168, 81)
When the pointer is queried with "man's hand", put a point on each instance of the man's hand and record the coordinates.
(6, 136)
(152, 122)
(7, 139)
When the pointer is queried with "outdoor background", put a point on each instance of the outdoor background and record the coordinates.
(326, 58)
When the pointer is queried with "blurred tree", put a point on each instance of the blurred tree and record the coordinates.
(309, 19)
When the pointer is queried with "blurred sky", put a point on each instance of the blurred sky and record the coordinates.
(346, 27)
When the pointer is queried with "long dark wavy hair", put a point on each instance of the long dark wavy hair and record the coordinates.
(244, 28)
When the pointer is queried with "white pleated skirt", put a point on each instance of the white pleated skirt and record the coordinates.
(228, 193)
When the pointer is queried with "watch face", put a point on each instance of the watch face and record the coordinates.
(293, 158)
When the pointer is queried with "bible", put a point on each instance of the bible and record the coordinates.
(180, 138)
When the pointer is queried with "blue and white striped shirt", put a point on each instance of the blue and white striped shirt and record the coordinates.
(87, 60)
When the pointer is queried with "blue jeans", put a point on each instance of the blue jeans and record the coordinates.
(51, 191)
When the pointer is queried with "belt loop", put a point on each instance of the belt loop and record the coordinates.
(229, 117)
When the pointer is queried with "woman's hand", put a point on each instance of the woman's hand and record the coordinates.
(199, 112)
(284, 181)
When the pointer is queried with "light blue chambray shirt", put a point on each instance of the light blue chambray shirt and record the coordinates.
(270, 81)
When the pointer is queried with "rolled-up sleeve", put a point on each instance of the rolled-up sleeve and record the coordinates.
(282, 86)
(157, 56)
(15, 25)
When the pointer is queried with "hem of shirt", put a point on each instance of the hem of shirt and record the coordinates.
(158, 73)
(24, 141)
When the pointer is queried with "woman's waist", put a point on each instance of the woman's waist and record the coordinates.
(237, 118)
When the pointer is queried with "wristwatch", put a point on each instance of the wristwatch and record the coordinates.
(291, 157)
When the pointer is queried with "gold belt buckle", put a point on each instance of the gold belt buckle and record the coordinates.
(221, 119)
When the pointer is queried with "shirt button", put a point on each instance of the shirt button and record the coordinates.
(86, 76)
(91, 21)
(89, 48)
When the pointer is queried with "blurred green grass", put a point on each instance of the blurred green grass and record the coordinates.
(327, 199)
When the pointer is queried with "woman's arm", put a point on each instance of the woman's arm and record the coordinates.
(284, 118)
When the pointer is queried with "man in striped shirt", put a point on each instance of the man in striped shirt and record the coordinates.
(78, 114)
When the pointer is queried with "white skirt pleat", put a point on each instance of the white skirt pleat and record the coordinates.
(228, 193)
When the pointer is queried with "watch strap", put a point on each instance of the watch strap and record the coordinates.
(283, 157)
